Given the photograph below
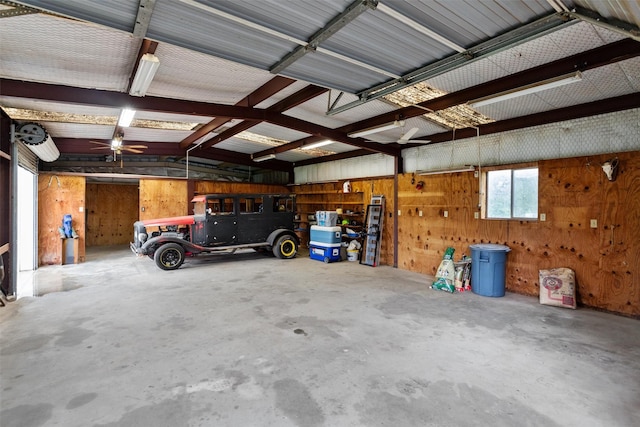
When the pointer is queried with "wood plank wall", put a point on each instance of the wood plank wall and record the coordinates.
(59, 195)
(111, 211)
(161, 198)
(571, 193)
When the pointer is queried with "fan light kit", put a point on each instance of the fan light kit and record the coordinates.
(526, 90)
(147, 68)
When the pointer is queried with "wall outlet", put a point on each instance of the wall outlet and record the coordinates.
(446, 214)
(80, 209)
(399, 212)
(593, 223)
(476, 215)
(543, 217)
(419, 213)
(476, 174)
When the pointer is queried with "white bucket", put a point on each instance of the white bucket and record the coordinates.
(352, 255)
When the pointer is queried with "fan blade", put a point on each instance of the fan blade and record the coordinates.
(136, 146)
(100, 143)
(101, 148)
(407, 136)
(132, 150)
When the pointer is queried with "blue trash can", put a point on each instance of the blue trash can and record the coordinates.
(488, 269)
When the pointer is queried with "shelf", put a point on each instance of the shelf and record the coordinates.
(330, 203)
(312, 193)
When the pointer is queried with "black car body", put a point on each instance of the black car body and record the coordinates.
(220, 223)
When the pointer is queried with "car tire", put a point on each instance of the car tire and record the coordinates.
(285, 247)
(169, 256)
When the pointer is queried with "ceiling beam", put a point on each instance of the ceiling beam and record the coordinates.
(338, 22)
(482, 50)
(265, 91)
(594, 58)
(59, 93)
(291, 101)
(143, 18)
(610, 105)
(81, 146)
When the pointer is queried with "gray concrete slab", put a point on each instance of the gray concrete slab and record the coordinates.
(251, 340)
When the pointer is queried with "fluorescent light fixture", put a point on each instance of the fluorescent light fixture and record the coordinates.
(263, 158)
(376, 129)
(147, 68)
(126, 117)
(441, 171)
(526, 90)
(317, 144)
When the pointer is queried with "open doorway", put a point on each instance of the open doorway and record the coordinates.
(27, 225)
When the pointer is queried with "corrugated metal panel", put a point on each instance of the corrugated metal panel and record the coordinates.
(605, 82)
(234, 81)
(606, 133)
(70, 52)
(27, 158)
(120, 14)
(154, 135)
(59, 107)
(76, 130)
(624, 10)
(314, 111)
(527, 55)
(360, 167)
(205, 32)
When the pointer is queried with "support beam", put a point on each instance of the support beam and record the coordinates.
(610, 105)
(505, 41)
(143, 18)
(104, 98)
(81, 146)
(588, 60)
(265, 91)
(291, 101)
(338, 22)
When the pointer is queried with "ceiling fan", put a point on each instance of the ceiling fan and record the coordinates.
(118, 147)
(405, 137)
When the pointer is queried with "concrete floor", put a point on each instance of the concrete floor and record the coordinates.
(251, 340)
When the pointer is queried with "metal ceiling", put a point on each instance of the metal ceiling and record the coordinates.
(219, 61)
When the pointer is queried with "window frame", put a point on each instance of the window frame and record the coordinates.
(485, 192)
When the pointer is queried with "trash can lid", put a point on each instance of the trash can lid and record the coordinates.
(490, 247)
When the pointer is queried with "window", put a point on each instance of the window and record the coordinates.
(512, 193)
(250, 205)
(220, 206)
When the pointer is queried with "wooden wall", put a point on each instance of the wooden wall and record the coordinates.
(161, 198)
(59, 195)
(571, 193)
(171, 197)
(111, 211)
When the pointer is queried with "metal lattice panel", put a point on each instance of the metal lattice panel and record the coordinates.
(70, 52)
(233, 80)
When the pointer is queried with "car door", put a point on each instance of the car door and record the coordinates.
(221, 221)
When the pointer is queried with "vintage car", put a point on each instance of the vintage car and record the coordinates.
(220, 223)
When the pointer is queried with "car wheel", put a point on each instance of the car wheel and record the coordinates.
(285, 247)
(169, 256)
